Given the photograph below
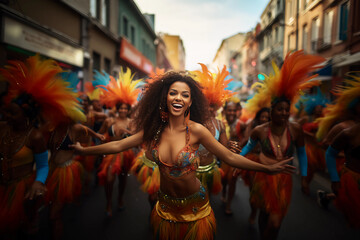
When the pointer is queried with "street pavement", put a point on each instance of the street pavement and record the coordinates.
(305, 219)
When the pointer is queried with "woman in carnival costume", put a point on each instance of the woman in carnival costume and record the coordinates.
(338, 116)
(28, 102)
(259, 111)
(95, 117)
(278, 139)
(183, 210)
(213, 87)
(313, 108)
(64, 182)
(234, 131)
(120, 94)
(346, 186)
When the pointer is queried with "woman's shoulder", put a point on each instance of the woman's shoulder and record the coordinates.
(196, 127)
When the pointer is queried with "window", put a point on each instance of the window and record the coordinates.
(94, 8)
(125, 26)
(105, 12)
(305, 38)
(328, 21)
(290, 9)
(343, 21)
(315, 24)
(96, 61)
(306, 4)
(107, 65)
(132, 32)
(276, 35)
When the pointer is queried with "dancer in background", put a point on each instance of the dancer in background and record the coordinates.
(229, 179)
(29, 101)
(121, 94)
(313, 109)
(279, 138)
(262, 116)
(65, 178)
(183, 210)
(346, 186)
(213, 87)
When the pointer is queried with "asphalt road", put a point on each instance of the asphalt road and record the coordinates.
(305, 219)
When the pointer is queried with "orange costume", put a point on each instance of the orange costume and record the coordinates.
(182, 218)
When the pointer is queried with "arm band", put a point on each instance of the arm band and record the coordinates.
(330, 157)
(301, 153)
(248, 147)
(42, 166)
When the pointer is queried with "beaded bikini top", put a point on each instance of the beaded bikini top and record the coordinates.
(187, 159)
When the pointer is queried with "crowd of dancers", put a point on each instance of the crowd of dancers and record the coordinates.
(184, 135)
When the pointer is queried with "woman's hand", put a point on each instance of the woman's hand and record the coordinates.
(100, 137)
(77, 148)
(234, 146)
(281, 167)
(37, 189)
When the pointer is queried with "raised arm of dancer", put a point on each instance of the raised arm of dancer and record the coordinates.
(205, 138)
(110, 147)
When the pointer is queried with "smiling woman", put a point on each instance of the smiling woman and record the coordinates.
(169, 121)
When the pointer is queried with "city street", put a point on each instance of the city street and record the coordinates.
(305, 219)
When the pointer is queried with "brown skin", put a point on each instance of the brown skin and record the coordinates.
(121, 126)
(18, 124)
(77, 133)
(270, 223)
(346, 140)
(173, 139)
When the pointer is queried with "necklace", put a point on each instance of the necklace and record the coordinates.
(57, 146)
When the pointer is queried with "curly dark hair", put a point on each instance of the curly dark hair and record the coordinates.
(148, 117)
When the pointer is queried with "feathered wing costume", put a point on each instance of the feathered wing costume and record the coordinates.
(123, 90)
(54, 103)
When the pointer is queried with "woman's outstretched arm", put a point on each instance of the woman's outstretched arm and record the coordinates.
(110, 147)
(205, 138)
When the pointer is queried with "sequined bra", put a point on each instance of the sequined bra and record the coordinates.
(187, 159)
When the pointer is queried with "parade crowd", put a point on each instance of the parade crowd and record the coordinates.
(184, 135)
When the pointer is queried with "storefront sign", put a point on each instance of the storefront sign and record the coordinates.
(130, 54)
(26, 37)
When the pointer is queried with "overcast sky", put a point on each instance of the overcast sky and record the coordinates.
(203, 24)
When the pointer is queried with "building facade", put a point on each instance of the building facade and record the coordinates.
(330, 28)
(81, 35)
(271, 36)
(175, 51)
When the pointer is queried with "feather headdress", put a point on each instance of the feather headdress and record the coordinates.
(348, 97)
(92, 89)
(123, 90)
(214, 85)
(289, 82)
(41, 81)
(311, 101)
